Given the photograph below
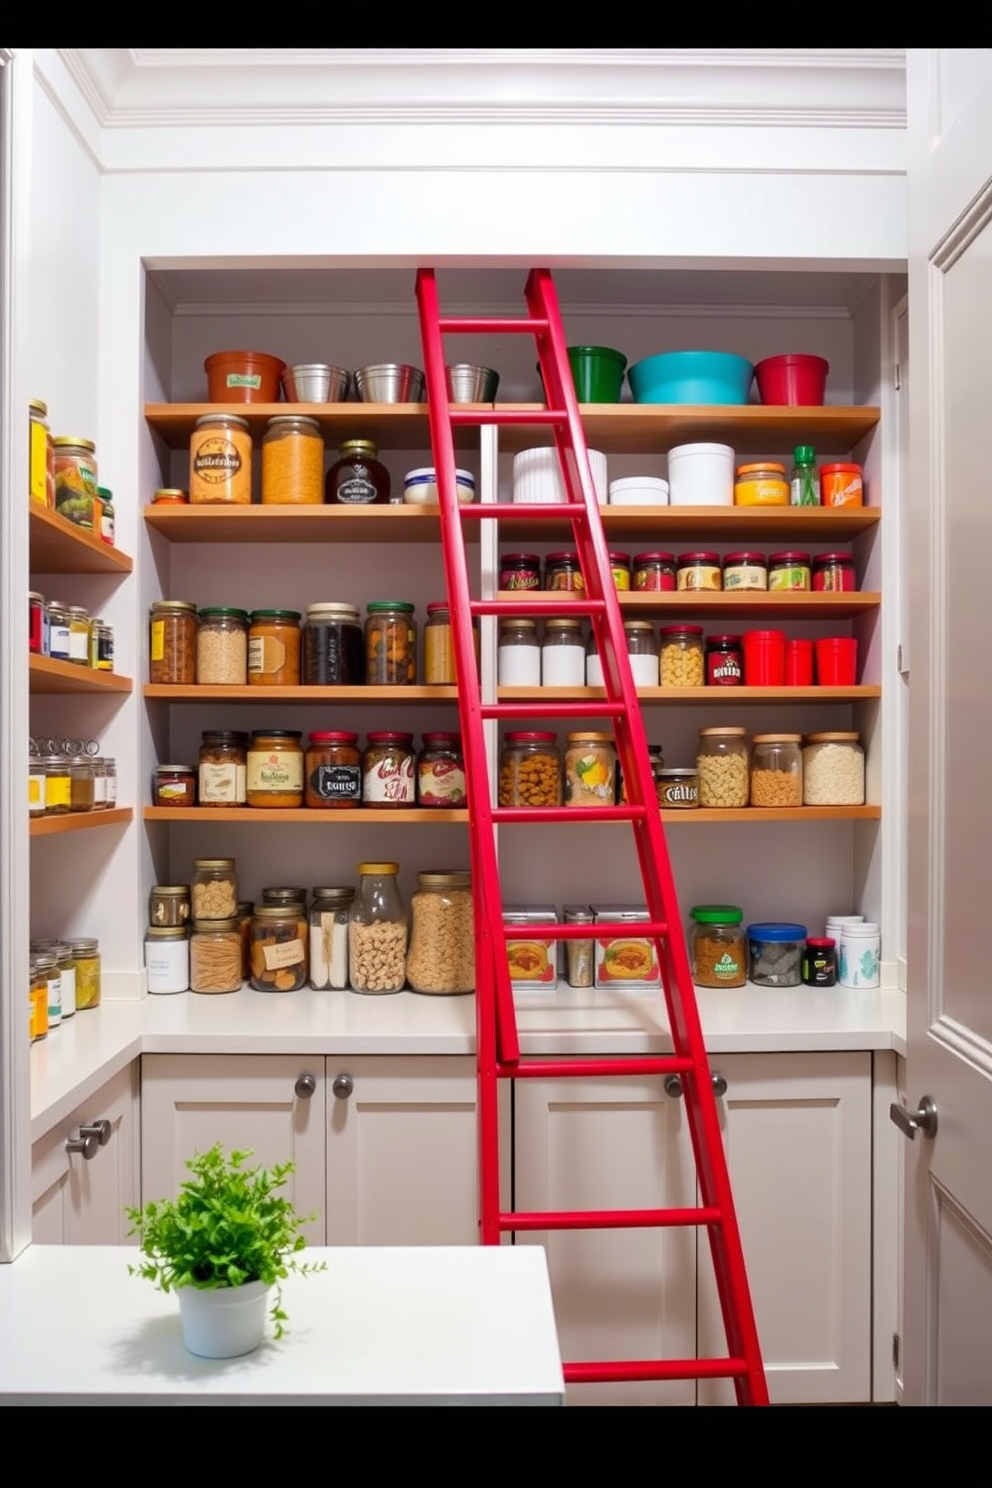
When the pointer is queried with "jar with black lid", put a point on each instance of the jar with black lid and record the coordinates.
(563, 571)
(285, 894)
(333, 646)
(520, 571)
(357, 477)
(724, 661)
(222, 769)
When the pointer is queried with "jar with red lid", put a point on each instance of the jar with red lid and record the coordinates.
(833, 573)
(653, 571)
(695, 571)
(745, 571)
(620, 564)
(441, 771)
(681, 661)
(388, 777)
(563, 571)
(724, 661)
(530, 769)
(333, 771)
(788, 571)
(520, 571)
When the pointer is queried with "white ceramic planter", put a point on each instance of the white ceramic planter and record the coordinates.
(537, 476)
(223, 1322)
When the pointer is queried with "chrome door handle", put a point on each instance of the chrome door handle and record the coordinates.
(305, 1086)
(673, 1085)
(923, 1119)
(88, 1145)
(342, 1086)
(102, 1130)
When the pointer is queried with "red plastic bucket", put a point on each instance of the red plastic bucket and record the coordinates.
(799, 663)
(764, 658)
(797, 381)
(837, 661)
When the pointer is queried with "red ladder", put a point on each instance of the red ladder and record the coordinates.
(498, 1045)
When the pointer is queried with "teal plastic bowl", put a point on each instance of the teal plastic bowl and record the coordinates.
(691, 377)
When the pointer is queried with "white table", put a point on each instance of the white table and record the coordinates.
(429, 1325)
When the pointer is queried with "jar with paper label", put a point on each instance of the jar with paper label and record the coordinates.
(38, 1004)
(279, 948)
(377, 931)
(590, 769)
(441, 772)
(48, 966)
(717, 945)
(167, 959)
(333, 771)
(518, 657)
(440, 959)
(274, 648)
(168, 906)
(172, 642)
(274, 769)
(220, 461)
(388, 770)
(329, 937)
(357, 477)
(79, 635)
(41, 455)
(36, 784)
(58, 785)
(222, 770)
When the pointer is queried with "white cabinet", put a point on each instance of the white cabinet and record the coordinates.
(79, 1196)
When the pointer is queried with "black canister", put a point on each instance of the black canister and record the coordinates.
(820, 962)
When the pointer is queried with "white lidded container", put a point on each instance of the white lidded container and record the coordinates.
(420, 486)
(639, 490)
(858, 955)
(701, 475)
(537, 476)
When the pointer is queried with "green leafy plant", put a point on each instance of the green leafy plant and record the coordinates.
(227, 1227)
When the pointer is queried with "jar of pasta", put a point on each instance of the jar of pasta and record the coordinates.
(388, 770)
(213, 889)
(274, 775)
(215, 955)
(377, 931)
(440, 959)
(220, 461)
(333, 771)
(590, 769)
(776, 770)
(274, 648)
(390, 643)
(530, 769)
(682, 662)
(722, 763)
(172, 642)
(717, 945)
(292, 462)
(222, 767)
(222, 647)
(278, 944)
(441, 771)
(439, 651)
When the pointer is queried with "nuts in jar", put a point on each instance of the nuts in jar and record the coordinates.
(722, 762)
(213, 889)
(590, 769)
(388, 775)
(681, 663)
(390, 643)
(530, 770)
(274, 769)
(440, 959)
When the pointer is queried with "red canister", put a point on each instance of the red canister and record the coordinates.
(841, 484)
(799, 663)
(764, 658)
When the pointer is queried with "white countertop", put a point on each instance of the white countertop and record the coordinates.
(420, 1325)
(87, 1049)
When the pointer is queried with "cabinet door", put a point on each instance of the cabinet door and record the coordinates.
(618, 1294)
(79, 1200)
(402, 1157)
(797, 1129)
(271, 1103)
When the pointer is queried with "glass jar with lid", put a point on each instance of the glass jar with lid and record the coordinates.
(357, 477)
(724, 661)
(36, 783)
(286, 894)
(47, 965)
(390, 643)
(620, 568)
(86, 955)
(167, 959)
(833, 769)
(170, 496)
(518, 656)
(698, 571)
(440, 959)
(58, 785)
(168, 905)
(279, 947)
(172, 642)
(76, 479)
(213, 889)
(220, 461)
(38, 980)
(377, 931)
(564, 571)
(722, 764)
(222, 768)
(215, 955)
(653, 571)
(274, 769)
(82, 783)
(329, 913)
(579, 967)
(788, 570)
(681, 662)
(530, 769)
(333, 648)
(61, 952)
(833, 573)
(174, 786)
(389, 769)
(717, 945)
(441, 771)
(656, 759)
(222, 647)
(333, 771)
(292, 461)
(41, 452)
(58, 630)
(37, 624)
(439, 650)
(520, 571)
(776, 770)
(79, 635)
(274, 648)
(761, 483)
(590, 769)
(642, 649)
(563, 652)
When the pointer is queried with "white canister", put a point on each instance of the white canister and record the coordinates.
(563, 654)
(518, 656)
(858, 959)
(167, 958)
(537, 476)
(639, 490)
(701, 475)
(594, 670)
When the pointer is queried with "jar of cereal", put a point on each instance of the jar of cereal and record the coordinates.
(440, 961)
(682, 661)
(722, 762)
(377, 931)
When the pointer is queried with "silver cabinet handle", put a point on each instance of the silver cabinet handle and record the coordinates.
(923, 1119)
(343, 1086)
(88, 1145)
(102, 1130)
(305, 1086)
(719, 1083)
(673, 1085)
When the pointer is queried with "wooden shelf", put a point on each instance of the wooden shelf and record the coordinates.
(775, 814)
(168, 692)
(699, 696)
(299, 524)
(390, 425)
(659, 526)
(716, 604)
(47, 675)
(80, 821)
(367, 815)
(58, 546)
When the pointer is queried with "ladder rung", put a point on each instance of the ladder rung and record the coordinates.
(508, 511)
(551, 1069)
(492, 324)
(615, 1370)
(601, 814)
(491, 414)
(608, 1219)
(557, 708)
(515, 606)
(645, 929)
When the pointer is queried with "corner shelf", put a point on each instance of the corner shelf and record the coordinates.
(80, 821)
(48, 675)
(58, 546)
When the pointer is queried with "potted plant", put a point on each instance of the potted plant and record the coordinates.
(223, 1245)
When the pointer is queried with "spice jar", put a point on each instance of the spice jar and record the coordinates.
(172, 642)
(101, 646)
(222, 647)
(833, 573)
(75, 470)
(761, 484)
(833, 769)
(278, 945)
(724, 661)
(174, 785)
(333, 771)
(717, 945)
(357, 477)
(36, 784)
(37, 624)
(440, 959)
(329, 938)
(82, 783)
(377, 931)
(79, 635)
(292, 462)
(388, 773)
(518, 656)
(274, 648)
(441, 771)
(722, 762)
(108, 516)
(213, 889)
(168, 905)
(41, 455)
(696, 571)
(579, 953)
(58, 630)
(520, 571)
(47, 966)
(530, 769)
(420, 486)
(745, 571)
(333, 648)
(788, 571)
(62, 951)
(776, 770)
(681, 662)
(38, 992)
(563, 571)
(86, 955)
(439, 651)
(653, 571)
(215, 955)
(390, 643)
(170, 496)
(58, 786)
(590, 769)
(222, 769)
(220, 461)
(563, 652)
(642, 650)
(274, 774)
(166, 959)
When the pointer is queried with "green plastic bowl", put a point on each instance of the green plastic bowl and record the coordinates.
(597, 372)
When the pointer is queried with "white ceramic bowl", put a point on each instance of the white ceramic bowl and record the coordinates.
(420, 486)
(537, 476)
(639, 490)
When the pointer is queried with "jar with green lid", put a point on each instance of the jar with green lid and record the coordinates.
(173, 625)
(717, 945)
(329, 937)
(278, 944)
(440, 960)
(86, 955)
(357, 477)
(222, 647)
(377, 931)
(75, 469)
(292, 461)
(390, 643)
(215, 955)
(213, 889)
(108, 516)
(274, 639)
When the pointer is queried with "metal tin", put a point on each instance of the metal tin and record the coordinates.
(533, 962)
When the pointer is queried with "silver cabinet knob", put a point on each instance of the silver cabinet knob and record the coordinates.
(88, 1145)
(102, 1130)
(719, 1083)
(673, 1085)
(343, 1086)
(923, 1119)
(305, 1086)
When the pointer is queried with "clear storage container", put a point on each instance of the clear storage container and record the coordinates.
(222, 647)
(440, 959)
(292, 462)
(278, 945)
(717, 945)
(329, 914)
(776, 770)
(722, 763)
(518, 658)
(377, 931)
(833, 769)
(530, 769)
